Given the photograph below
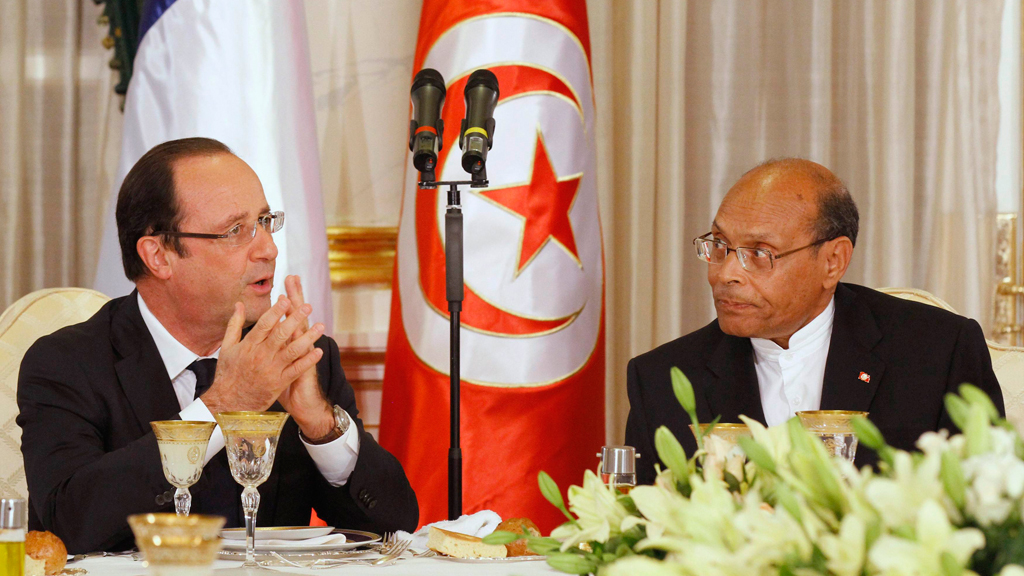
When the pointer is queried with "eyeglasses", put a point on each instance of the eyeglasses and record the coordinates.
(239, 234)
(715, 251)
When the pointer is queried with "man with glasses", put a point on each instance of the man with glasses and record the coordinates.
(199, 336)
(790, 336)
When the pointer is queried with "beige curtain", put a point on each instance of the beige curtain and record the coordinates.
(59, 136)
(898, 98)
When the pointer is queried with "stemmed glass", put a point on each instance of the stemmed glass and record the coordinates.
(250, 439)
(183, 454)
(834, 429)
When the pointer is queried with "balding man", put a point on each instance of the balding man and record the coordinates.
(790, 336)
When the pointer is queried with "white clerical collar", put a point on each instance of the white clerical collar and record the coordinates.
(176, 356)
(805, 341)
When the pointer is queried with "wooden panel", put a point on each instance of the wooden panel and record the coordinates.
(364, 368)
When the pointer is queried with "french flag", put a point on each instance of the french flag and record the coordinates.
(238, 72)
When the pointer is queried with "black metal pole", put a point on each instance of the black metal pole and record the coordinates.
(455, 295)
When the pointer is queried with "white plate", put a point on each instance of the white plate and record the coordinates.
(491, 560)
(278, 533)
(353, 539)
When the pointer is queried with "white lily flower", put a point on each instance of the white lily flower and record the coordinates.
(1012, 570)
(846, 551)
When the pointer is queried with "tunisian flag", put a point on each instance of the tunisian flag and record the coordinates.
(533, 317)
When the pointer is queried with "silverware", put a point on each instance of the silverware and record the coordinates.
(133, 553)
(390, 550)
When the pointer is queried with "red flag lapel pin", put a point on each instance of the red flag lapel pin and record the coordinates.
(864, 377)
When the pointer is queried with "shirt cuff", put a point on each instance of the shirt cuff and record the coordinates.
(198, 412)
(336, 459)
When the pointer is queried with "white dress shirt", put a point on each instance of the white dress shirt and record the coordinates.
(336, 459)
(790, 380)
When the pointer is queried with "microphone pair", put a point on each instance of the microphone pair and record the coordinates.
(426, 129)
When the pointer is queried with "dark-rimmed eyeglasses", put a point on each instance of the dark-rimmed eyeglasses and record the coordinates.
(239, 234)
(714, 251)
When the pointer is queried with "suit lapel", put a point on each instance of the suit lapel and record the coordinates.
(140, 371)
(852, 371)
(736, 391)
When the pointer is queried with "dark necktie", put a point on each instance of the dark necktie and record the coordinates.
(216, 492)
(204, 369)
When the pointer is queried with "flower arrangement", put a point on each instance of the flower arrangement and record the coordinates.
(781, 505)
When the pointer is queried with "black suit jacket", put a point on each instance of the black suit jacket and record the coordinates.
(87, 394)
(913, 353)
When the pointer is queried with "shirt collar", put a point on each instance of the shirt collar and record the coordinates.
(805, 340)
(176, 356)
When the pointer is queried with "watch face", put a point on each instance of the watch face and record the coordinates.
(341, 418)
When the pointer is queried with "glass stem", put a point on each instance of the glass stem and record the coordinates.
(182, 501)
(250, 504)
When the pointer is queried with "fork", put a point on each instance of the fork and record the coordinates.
(391, 549)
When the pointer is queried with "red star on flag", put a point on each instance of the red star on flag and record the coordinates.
(544, 206)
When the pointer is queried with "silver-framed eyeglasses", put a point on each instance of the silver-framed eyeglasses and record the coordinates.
(714, 251)
(239, 234)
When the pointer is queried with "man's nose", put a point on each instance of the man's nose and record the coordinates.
(263, 246)
(730, 271)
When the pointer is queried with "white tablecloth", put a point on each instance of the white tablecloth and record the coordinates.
(120, 566)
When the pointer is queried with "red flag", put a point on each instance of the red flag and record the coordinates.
(533, 318)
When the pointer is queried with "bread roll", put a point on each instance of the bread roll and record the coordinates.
(462, 545)
(46, 546)
(523, 526)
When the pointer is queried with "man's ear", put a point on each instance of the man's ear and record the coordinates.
(838, 253)
(154, 256)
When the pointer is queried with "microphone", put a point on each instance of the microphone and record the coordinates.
(426, 127)
(478, 126)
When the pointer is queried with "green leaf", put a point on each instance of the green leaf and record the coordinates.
(979, 437)
(683, 390)
(549, 489)
(785, 498)
(957, 408)
(731, 481)
(953, 478)
(571, 563)
(973, 395)
(867, 433)
(543, 545)
(950, 567)
(757, 454)
(671, 452)
(501, 537)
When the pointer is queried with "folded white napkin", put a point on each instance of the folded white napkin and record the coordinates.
(330, 539)
(479, 524)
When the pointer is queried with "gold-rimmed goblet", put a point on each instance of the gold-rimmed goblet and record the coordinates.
(727, 431)
(182, 453)
(834, 429)
(250, 439)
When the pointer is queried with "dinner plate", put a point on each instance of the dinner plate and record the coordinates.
(353, 539)
(278, 532)
(491, 560)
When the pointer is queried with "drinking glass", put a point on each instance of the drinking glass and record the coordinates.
(250, 439)
(182, 452)
(727, 431)
(178, 545)
(834, 429)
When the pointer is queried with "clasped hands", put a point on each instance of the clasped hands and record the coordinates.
(275, 361)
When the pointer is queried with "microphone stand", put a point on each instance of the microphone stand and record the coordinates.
(455, 294)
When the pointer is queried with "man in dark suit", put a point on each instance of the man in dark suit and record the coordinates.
(199, 336)
(790, 336)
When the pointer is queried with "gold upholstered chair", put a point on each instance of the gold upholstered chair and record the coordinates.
(34, 315)
(1007, 361)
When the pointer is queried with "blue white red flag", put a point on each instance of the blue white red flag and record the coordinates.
(238, 72)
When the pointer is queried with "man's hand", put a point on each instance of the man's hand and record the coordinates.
(252, 372)
(304, 399)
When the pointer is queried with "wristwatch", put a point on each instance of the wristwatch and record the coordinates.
(341, 424)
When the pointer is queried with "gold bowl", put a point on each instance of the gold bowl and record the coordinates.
(169, 540)
(829, 421)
